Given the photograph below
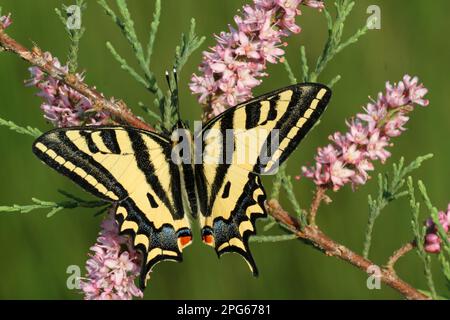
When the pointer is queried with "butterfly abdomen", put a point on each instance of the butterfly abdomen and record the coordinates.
(182, 155)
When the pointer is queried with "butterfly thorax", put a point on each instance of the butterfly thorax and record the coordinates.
(182, 155)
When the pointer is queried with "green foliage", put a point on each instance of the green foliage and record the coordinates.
(125, 66)
(34, 132)
(150, 112)
(75, 35)
(167, 103)
(126, 26)
(153, 30)
(282, 180)
(429, 294)
(389, 189)
(445, 266)
(263, 239)
(434, 213)
(291, 75)
(288, 187)
(188, 44)
(333, 45)
(419, 231)
(444, 255)
(71, 203)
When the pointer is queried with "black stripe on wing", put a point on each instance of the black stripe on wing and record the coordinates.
(110, 140)
(142, 156)
(160, 244)
(58, 145)
(232, 234)
(307, 104)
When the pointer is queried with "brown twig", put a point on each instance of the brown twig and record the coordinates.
(398, 254)
(332, 248)
(315, 204)
(117, 109)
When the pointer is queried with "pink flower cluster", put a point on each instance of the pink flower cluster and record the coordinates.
(5, 21)
(63, 106)
(432, 239)
(234, 66)
(350, 155)
(113, 266)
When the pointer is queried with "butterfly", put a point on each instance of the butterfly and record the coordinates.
(157, 181)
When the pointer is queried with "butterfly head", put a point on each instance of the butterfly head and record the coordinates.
(181, 125)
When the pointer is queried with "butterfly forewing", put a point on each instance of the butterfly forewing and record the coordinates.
(131, 168)
(265, 131)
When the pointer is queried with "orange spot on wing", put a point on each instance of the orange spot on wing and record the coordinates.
(185, 240)
(208, 239)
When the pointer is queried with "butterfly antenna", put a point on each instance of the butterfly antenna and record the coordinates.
(175, 93)
(175, 76)
(168, 81)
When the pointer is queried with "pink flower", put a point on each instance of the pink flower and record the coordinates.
(320, 174)
(362, 167)
(5, 21)
(234, 66)
(63, 106)
(350, 156)
(204, 86)
(376, 147)
(111, 269)
(256, 18)
(327, 154)
(287, 20)
(373, 114)
(394, 127)
(248, 48)
(316, 4)
(271, 52)
(416, 91)
(246, 79)
(396, 95)
(340, 174)
(359, 133)
(432, 239)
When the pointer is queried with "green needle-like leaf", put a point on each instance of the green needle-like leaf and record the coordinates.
(33, 132)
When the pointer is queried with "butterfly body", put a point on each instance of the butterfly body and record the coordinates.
(157, 181)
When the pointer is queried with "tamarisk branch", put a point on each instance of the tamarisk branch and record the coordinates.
(332, 248)
(117, 109)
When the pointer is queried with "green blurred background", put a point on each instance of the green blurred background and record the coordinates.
(36, 251)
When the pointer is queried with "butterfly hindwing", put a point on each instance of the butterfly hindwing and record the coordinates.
(240, 144)
(132, 169)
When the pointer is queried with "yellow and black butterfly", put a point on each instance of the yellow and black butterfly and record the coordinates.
(152, 190)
